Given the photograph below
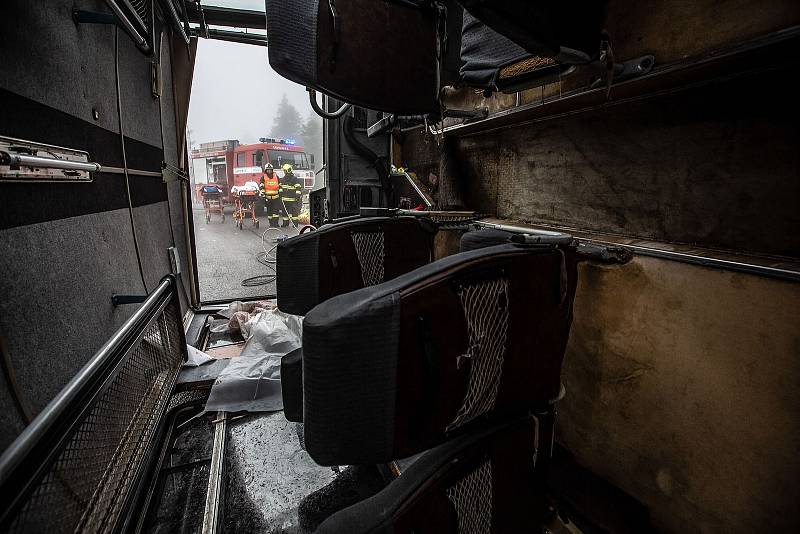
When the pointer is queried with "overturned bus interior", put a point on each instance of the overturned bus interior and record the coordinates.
(515, 266)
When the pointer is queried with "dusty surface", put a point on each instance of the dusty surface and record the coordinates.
(227, 255)
(682, 390)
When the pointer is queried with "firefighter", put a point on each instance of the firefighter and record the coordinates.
(291, 195)
(269, 189)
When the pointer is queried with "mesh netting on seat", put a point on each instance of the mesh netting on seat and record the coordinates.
(472, 498)
(485, 305)
(369, 248)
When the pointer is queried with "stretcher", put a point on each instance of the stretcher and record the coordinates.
(212, 202)
(244, 204)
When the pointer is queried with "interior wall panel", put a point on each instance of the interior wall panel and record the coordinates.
(51, 60)
(169, 127)
(172, 157)
(179, 232)
(66, 248)
(56, 308)
(140, 109)
(153, 231)
(683, 389)
(712, 166)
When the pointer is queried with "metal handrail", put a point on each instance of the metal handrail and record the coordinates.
(176, 21)
(26, 460)
(530, 236)
(127, 25)
(312, 98)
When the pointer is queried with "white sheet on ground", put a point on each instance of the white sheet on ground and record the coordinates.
(196, 357)
(252, 382)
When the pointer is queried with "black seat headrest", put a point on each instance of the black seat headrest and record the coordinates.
(342, 257)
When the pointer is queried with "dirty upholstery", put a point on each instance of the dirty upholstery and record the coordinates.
(507, 53)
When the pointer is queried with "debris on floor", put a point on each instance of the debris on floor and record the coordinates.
(196, 357)
(241, 315)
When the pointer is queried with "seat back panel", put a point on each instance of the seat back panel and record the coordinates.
(343, 257)
(477, 334)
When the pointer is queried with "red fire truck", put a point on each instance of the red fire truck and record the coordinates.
(229, 163)
(249, 161)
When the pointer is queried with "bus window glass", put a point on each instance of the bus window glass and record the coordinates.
(236, 230)
(200, 170)
(258, 158)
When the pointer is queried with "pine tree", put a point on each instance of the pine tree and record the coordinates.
(287, 122)
(312, 137)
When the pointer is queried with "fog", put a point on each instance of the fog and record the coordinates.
(235, 93)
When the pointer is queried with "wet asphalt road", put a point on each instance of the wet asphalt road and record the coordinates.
(227, 255)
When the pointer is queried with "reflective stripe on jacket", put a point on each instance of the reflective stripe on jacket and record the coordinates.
(291, 188)
(270, 187)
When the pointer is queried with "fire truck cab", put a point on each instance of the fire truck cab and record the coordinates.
(249, 161)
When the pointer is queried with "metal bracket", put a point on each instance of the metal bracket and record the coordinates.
(383, 125)
(603, 253)
(389, 121)
(622, 71)
(127, 299)
(466, 114)
(170, 173)
(212, 514)
(22, 160)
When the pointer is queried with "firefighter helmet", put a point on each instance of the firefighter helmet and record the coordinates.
(287, 168)
(267, 165)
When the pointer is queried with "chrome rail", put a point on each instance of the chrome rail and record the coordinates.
(130, 29)
(21, 160)
(79, 465)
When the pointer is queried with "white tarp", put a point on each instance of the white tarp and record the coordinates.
(252, 381)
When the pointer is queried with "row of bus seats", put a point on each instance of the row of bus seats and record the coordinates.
(454, 362)
(495, 45)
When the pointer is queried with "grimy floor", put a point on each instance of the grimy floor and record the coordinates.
(227, 255)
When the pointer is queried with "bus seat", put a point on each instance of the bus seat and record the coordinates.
(338, 258)
(397, 368)
(358, 51)
(341, 257)
(486, 481)
(505, 55)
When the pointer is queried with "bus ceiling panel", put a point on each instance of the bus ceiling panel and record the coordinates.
(229, 13)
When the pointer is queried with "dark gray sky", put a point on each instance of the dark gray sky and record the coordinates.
(235, 93)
